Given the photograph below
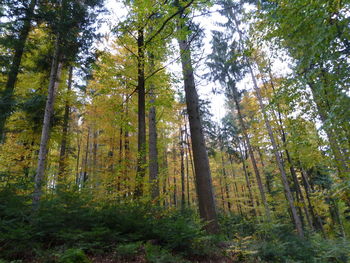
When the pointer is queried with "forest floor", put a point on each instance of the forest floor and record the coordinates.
(142, 259)
(71, 228)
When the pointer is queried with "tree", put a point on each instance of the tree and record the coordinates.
(206, 202)
(71, 18)
(227, 69)
(7, 102)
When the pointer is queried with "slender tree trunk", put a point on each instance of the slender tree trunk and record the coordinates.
(141, 139)
(188, 142)
(251, 198)
(85, 167)
(239, 207)
(165, 179)
(56, 68)
(6, 106)
(334, 212)
(252, 156)
(288, 192)
(187, 173)
(206, 201)
(296, 218)
(63, 155)
(153, 151)
(95, 166)
(289, 159)
(174, 177)
(222, 194)
(182, 170)
(268, 178)
(224, 174)
(120, 160)
(79, 140)
(316, 218)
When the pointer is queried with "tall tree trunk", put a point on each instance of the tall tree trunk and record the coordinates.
(6, 106)
(222, 194)
(126, 154)
(165, 179)
(182, 169)
(224, 174)
(187, 170)
(251, 198)
(86, 159)
(120, 160)
(316, 218)
(251, 155)
(141, 137)
(239, 207)
(63, 155)
(296, 217)
(174, 177)
(55, 73)
(206, 201)
(94, 156)
(279, 120)
(153, 151)
(79, 141)
(286, 186)
(268, 178)
(189, 151)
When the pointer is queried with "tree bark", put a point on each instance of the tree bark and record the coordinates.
(127, 158)
(63, 155)
(79, 141)
(86, 159)
(6, 106)
(174, 177)
(55, 73)
(187, 170)
(206, 201)
(141, 137)
(165, 179)
(182, 170)
(153, 151)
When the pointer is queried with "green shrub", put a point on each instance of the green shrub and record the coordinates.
(178, 231)
(326, 250)
(73, 256)
(16, 232)
(233, 225)
(129, 250)
(157, 254)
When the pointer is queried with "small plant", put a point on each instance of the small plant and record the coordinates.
(129, 250)
(157, 254)
(74, 256)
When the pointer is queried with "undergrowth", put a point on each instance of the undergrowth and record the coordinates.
(71, 227)
(72, 220)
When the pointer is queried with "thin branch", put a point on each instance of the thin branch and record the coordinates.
(166, 21)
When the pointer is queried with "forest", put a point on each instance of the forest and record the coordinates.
(174, 131)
